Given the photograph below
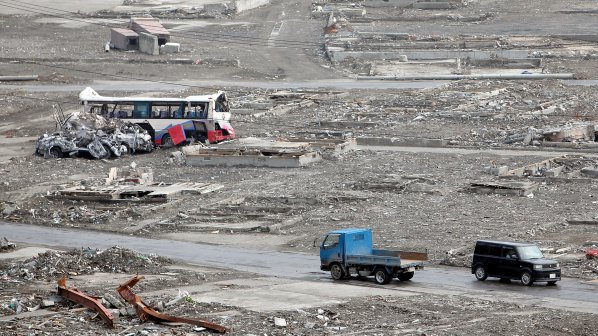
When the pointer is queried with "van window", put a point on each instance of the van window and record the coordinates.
(481, 249)
(509, 252)
(494, 251)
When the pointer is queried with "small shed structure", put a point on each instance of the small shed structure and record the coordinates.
(124, 39)
(150, 26)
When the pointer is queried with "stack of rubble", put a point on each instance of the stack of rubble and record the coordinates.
(6, 245)
(53, 264)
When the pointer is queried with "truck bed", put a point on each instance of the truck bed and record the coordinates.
(401, 259)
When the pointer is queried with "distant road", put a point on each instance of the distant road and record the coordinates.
(570, 294)
(342, 84)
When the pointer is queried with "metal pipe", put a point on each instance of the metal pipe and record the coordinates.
(18, 78)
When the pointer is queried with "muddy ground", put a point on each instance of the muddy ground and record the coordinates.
(285, 209)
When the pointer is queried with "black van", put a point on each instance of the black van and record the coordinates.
(512, 260)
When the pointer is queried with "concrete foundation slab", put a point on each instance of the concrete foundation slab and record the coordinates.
(253, 160)
(503, 188)
(432, 5)
(290, 295)
(338, 54)
(407, 142)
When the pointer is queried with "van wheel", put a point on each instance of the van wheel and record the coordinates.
(381, 276)
(336, 271)
(480, 273)
(526, 278)
(405, 276)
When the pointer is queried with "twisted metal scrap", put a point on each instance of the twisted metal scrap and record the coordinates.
(78, 296)
(144, 312)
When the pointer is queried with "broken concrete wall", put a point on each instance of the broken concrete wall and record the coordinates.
(387, 3)
(339, 54)
(253, 160)
(148, 44)
(244, 5)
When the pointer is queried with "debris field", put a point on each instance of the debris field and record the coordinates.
(502, 145)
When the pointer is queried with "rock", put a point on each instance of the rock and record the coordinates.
(309, 325)
(563, 250)
(280, 322)
(114, 302)
(47, 303)
(178, 157)
(9, 210)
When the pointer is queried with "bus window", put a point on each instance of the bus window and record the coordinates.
(198, 110)
(180, 112)
(123, 114)
(141, 110)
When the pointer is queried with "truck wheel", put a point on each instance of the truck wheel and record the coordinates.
(480, 273)
(336, 271)
(405, 276)
(526, 278)
(381, 276)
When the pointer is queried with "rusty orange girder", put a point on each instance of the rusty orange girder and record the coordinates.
(78, 296)
(144, 312)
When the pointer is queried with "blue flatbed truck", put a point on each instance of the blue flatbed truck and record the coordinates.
(350, 252)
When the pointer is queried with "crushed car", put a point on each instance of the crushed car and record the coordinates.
(93, 135)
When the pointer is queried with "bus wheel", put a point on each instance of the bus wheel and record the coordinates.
(167, 142)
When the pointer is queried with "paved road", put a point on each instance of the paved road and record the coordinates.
(571, 294)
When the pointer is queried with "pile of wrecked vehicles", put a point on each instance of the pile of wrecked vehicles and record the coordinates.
(85, 134)
(113, 126)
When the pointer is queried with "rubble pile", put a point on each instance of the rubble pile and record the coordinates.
(6, 245)
(87, 133)
(52, 264)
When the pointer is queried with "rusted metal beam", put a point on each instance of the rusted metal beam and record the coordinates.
(78, 296)
(144, 312)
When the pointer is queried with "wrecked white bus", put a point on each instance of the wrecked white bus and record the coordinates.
(202, 118)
